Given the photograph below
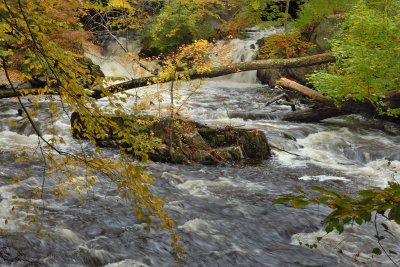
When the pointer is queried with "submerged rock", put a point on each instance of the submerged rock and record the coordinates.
(191, 141)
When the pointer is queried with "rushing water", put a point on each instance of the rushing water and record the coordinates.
(224, 215)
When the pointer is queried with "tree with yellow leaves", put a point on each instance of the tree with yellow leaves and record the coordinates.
(46, 39)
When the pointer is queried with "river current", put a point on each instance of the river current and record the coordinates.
(224, 214)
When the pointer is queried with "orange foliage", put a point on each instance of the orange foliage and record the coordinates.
(73, 41)
(15, 76)
(288, 45)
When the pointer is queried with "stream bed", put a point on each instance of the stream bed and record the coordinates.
(224, 214)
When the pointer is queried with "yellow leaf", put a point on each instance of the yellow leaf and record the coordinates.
(120, 4)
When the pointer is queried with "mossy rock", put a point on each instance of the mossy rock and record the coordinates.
(324, 31)
(253, 143)
(191, 141)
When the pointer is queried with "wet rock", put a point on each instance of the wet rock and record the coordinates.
(37, 82)
(93, 69)
(270, 76)
(288, 136)
(231, 153)
(252, 143)
(191, 141)
(8, 254)
(204, 157)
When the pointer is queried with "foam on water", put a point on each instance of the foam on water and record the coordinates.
(323, 178)
(372, 157)
(127, 263)
(354, 243)
(11, 140)
(116, 63)
(198, 226)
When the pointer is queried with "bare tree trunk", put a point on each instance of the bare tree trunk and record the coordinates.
(286, 15)
(285, 25)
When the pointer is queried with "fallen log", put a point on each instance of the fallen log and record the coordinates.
(222, 70)
(279, 97)
(7, 93)
(324, 108)
(260, 115)
(193, 74)
(304, 90)
(312, 115)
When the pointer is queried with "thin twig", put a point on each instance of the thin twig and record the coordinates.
(283, 150)
(379, 241)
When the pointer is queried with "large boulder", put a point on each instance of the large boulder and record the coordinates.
(189, 141)
(270, 76)
(324, 31)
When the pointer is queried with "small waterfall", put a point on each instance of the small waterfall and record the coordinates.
(119, 59)
(117, 62)
(246, 50)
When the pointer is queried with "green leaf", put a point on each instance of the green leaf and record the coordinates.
(340, 228)
(298, 203)
(325, 191)
(280, 200)
(329, 228)
(366, 193)
(359, 221)
(377, 251)
(366, 216)
(394, 214)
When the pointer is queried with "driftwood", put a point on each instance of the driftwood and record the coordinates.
(324, 108)
(304, 90)
(279, 97)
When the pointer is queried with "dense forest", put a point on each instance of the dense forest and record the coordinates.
(199, 132)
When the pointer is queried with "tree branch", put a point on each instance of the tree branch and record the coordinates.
(223, 70)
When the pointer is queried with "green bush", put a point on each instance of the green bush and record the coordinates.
(368, 53)
(179, 22)
(313, 11)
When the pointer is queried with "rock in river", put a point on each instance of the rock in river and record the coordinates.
(191, 141)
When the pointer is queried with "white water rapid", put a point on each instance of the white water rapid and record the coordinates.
(224, 215)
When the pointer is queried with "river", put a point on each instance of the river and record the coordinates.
(224, 214)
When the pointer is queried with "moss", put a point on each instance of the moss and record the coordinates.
(192, 142)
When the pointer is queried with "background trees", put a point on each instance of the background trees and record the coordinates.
(368, 59)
